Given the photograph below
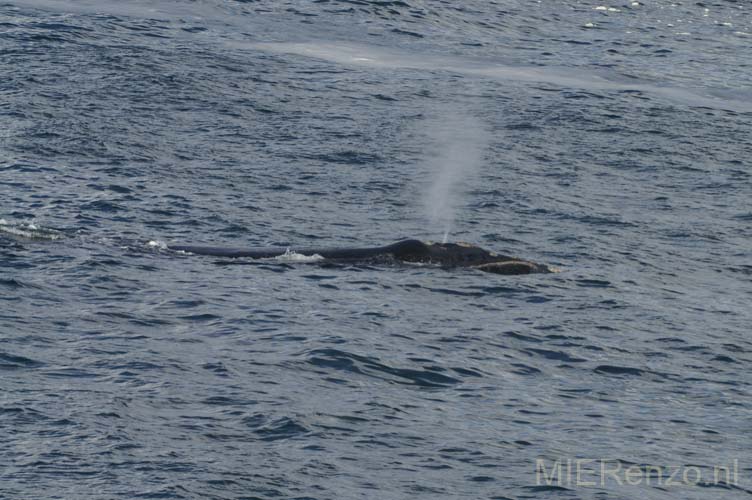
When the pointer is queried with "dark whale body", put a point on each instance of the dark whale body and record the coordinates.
(447, 255)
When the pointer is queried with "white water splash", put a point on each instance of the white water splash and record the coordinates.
(161, 245)
(292, 256)
(458, 143)
(29, 231)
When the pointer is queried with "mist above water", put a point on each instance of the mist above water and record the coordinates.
(458, 145)
(595, 79)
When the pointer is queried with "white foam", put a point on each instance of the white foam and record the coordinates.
(161, 245)
(15, 231)
(29, 231)
(292, 256)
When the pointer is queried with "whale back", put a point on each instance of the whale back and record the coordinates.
(402, 250)
(448, 255)
(463, 255)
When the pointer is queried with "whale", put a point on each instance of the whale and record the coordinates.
(410, 251)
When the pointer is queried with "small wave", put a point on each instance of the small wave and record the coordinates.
(292, 256)
(618, 370)
(428, 377)
(15, 362)
(15, 283)
(283, 428)
(29, 231)
(556, 355)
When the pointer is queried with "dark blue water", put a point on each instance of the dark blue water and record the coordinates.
(616, 146)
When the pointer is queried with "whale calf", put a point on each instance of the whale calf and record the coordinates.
(445, 255)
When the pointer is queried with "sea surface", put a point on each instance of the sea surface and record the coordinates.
(610, 140)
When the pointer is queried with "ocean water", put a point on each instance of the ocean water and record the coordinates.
(611, 140)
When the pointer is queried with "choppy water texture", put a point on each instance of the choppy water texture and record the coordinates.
(618, 149)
